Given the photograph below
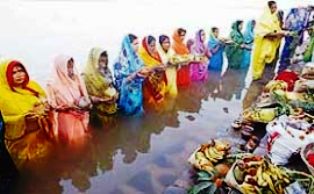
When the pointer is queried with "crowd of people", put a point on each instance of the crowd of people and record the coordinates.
(146, 73)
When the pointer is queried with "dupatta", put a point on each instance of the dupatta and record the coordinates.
(17, 102)
(149, 59)
(99, 84)
(128, 62)
(178, 46)
(249, 32)
(64, 92)
(268, 23)
(200, 47)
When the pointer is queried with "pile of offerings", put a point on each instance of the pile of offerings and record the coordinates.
(208, 155)
(284, 113)
(286, 110)
(244, 173)
(254, 174)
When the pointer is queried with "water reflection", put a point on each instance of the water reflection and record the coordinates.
(233, 84)
(190, 99)
(214, 84)
(227, 85)
(143, 154)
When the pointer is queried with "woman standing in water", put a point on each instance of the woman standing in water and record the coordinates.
(25, 112)
(99, 82)
(267, 39)
(154, 87)
(201, 52)
(167, 55)
(68, 97)
(216, 47)
(248, 40)
(129, 72)
(234, 51)
(180, 49)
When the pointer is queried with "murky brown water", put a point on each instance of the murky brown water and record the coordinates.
(144, 154)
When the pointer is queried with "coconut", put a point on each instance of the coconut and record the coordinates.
(83, 103)
(222, 169)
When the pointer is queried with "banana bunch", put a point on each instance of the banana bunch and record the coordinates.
(263, 115)
(272, 177)
(247, 188)
(275, 85)
(262, 176)
(210, 154)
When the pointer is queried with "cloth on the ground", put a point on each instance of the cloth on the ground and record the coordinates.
(286, 136)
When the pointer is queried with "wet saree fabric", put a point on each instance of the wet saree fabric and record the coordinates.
(234, 51)
(99, 83)
(25, 139)
(154, 86)
(217, 49)
(248, 40)
(65, 95)
(131, 97)
(199, 69)
(265, 49)
(183, 74)
(171, 71)
(296, 21)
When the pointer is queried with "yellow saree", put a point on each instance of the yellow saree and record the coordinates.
(25, 139)
(99, 85)
(154, 87)
(265, 49)
(171, 71)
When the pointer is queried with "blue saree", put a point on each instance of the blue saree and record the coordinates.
(216, 48)
(131, 97)
(248, 40)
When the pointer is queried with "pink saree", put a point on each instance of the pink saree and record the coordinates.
(198, 69)
(66, 96)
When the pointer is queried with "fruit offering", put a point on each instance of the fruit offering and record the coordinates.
(208, 155)
(254, 174)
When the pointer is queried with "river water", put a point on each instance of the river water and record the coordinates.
(128, 155)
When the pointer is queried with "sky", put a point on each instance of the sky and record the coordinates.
(35, 31)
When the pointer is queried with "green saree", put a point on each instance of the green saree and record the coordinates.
(234, 51)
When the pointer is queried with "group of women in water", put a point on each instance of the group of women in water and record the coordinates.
(145, 73)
